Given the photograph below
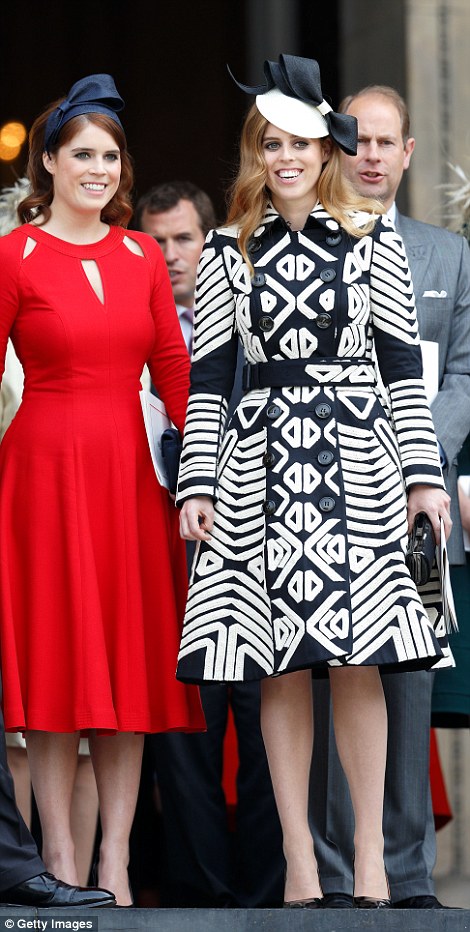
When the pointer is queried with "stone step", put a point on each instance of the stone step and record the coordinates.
(234, 920)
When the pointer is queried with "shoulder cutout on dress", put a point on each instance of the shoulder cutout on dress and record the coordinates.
(29, 246)
(133, 246)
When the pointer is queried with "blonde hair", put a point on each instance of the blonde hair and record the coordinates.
(248, 196)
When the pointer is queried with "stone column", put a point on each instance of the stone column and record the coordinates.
(421, 48)
(438, 93)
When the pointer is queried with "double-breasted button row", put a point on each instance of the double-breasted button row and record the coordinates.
(326, 504)
(259, 278)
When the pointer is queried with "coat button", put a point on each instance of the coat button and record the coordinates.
(323, 321)
(333, 239)
(255, 245)
(273, 412)
(325, 457)
(323, 409)
(327, 275)
(269, 507)
(265, 323)
(268, 460)
(258, 280)
(327, 503)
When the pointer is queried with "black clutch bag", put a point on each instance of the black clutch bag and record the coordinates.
(421, 550)
(171, 452)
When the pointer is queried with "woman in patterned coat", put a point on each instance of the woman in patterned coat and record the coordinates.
(302, 502)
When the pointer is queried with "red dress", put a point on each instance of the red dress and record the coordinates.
(92, 569)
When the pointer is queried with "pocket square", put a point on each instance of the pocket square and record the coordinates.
(435, 294)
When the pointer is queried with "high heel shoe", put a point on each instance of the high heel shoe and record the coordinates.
(371, 902)
(314, 903)
(368, 902)
(94, 880)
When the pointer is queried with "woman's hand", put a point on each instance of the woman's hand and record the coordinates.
(197, 518)
(435, 503)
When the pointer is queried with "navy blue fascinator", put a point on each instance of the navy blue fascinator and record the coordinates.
(95, 94)
(292, 99)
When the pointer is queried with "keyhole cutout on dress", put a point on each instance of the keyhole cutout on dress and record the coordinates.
(92, 272)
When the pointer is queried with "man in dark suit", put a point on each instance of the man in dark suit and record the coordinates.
(207, 864)
(440, 269)
(24, 880)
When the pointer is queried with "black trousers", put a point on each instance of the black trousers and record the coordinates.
(207, 864)
(19, 858)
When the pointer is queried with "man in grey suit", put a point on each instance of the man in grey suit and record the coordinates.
(440, 268)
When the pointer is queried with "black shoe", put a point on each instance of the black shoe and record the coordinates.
(337, 901)
(45, 890)
(369, 902)
(420, 902)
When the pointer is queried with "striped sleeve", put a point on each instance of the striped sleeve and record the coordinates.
(215, 344)
(399, 357)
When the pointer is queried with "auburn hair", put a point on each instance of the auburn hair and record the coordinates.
(117, 212)
(248, 196)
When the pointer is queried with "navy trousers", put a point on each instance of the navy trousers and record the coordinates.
(208, 865)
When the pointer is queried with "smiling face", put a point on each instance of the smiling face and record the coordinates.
(86, 171)
(293, 167)
(382, 155)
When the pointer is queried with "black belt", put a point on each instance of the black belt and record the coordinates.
(284, 373)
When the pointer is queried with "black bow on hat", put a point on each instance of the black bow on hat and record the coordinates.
(96, 93)
(300, 78)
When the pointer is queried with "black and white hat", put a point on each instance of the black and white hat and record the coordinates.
(292, 100)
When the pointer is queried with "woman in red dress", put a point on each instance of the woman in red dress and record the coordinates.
(92, 569)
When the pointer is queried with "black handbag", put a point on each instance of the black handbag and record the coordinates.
(421, 550)
(171, 452)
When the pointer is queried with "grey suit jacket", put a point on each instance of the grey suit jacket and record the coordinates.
(440, 262)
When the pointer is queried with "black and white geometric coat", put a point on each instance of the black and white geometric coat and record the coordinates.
(305, 566)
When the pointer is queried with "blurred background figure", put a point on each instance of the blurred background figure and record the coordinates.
(451, 692)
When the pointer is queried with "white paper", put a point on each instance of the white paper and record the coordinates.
(430, 354)
(156, 421)
(448, 607)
